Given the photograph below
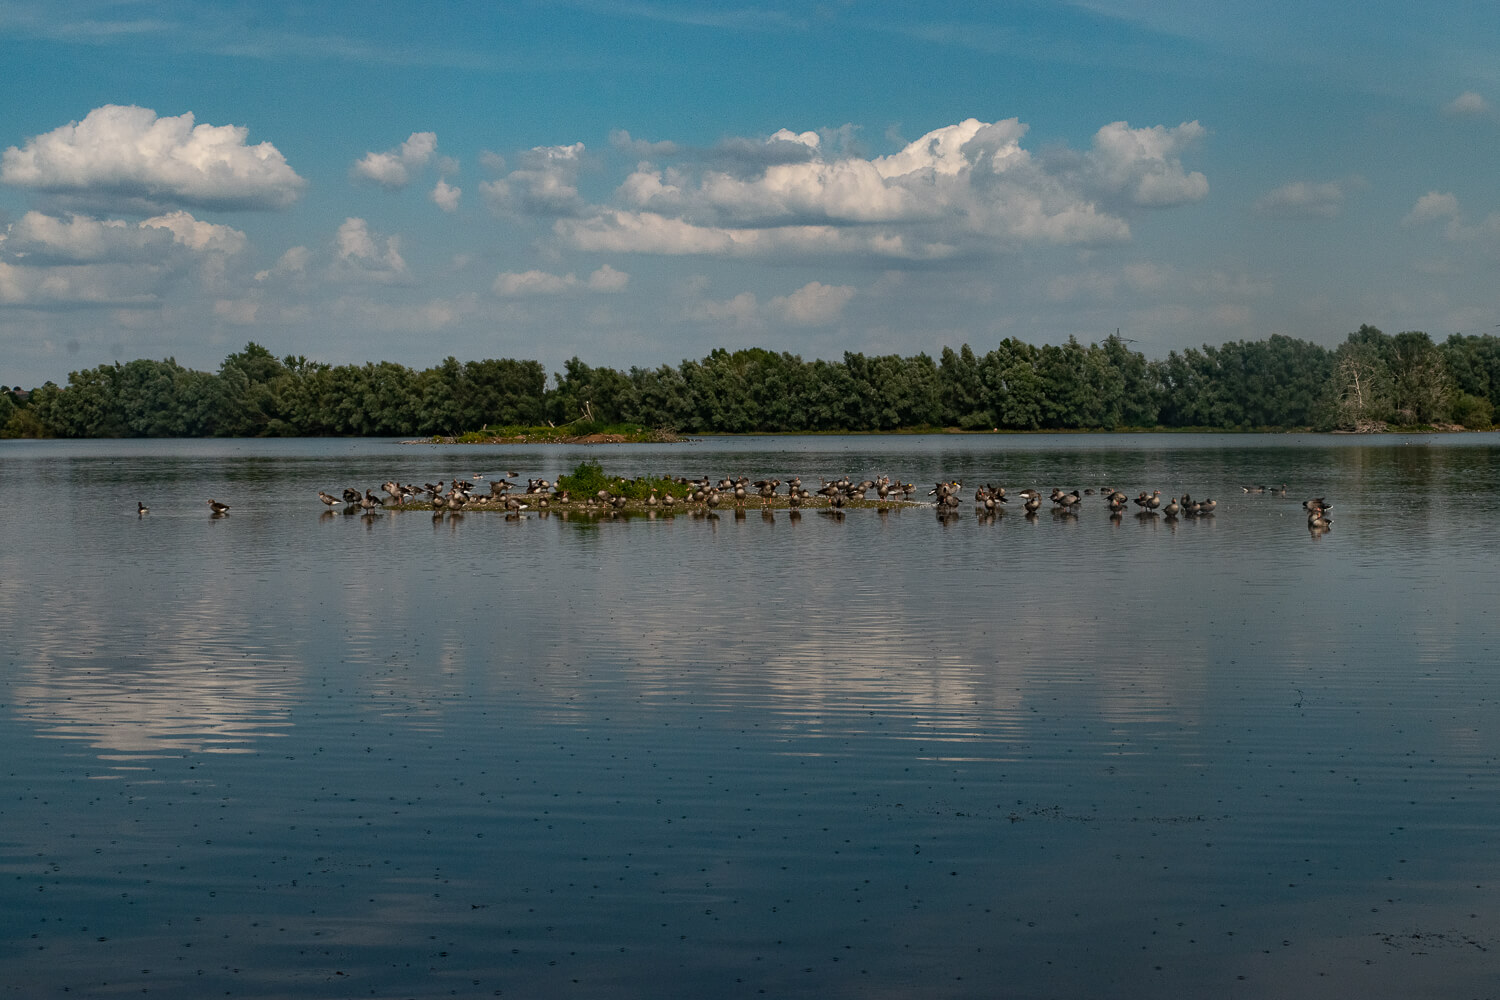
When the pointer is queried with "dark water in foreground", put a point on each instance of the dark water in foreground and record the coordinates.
(290, 754)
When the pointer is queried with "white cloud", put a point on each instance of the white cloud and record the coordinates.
(1467, 105)
(1303, 200)
(545, 184)
(814, 304)
(293, 263)
(622, 140)
(1430, 207)
(94, 284)
(121, 156)
(394, 169)
(1145, 164)
(38, 239)
(741, 311)
(605, 280)
(1435, 206)
(41, 239)
(533, 283)
(969, 187)
(445, 196)
(198, 235)
(652, 232)
(361, 254)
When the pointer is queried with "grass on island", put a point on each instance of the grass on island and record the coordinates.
(588, 478)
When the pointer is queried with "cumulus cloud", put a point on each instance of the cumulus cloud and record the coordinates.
(545, 183)
(1303, 200)
(292, 263)
(533, 283)
(38, 238)
(196, 234)
(127, 158)
(814, 304)
(742, 310)
(1144, 165)
(445, 196)
(605, 280)
(1435, 206)
(1432, 206)
(967, 187)
(394, 168)
(76, 260)
(362, 254)
(639, 148)
(1467, 105)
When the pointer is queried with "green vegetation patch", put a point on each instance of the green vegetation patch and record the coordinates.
(588, 478)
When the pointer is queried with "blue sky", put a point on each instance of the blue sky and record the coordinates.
(639, 183)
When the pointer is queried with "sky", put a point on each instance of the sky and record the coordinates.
(638, 183)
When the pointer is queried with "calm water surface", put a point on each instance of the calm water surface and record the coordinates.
(290, 753)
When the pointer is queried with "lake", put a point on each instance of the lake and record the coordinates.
(292, 753)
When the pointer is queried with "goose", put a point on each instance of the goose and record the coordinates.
(141, 509)
(219, 509)
(1172, 509)
(329, 500)
(1033, 503)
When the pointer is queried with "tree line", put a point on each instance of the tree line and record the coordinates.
(1371, 379)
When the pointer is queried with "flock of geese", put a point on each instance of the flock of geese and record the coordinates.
(507, 494)
(504, 493)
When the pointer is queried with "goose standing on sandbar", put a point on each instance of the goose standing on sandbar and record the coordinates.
(218, 509)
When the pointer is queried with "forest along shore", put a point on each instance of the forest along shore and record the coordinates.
(1372, 380)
